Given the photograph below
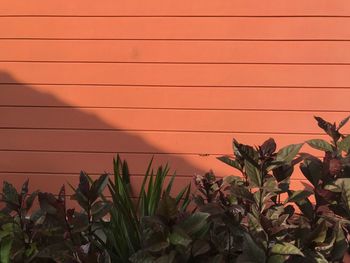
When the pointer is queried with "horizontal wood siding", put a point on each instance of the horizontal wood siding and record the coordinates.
(83, 80)
(177, 8)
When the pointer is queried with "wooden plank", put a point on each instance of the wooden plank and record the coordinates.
(165, 120)
(39, 182)
(171, 8)
(73, 163)
(253, 28)
(176, 51)
(243, 98)
(176, 74)
(97, 163)
(138, 142)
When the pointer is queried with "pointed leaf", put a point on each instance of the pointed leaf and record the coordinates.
(97, 187)
(167, 207)
(47, 203)
(297, 196)
(287, 154)
(24, 190)
(230, 162)
(268, 147)
(329, 128)
(343, 122)
(100, 209)
(253, 174)
(276, 259)
(30, 200)
(10, 193)
(195, 223)
(320, 144)
(84, 185)
(306, 208)
(5, 249)
(62, 194)
(179, 237)
(285, 248)
(344, 144)
(340, 245)
(80, 198)
(319, 234)
(312, 170)
(251, 251)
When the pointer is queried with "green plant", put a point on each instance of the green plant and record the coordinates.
(225, 233)
(252, 217)
(173, 235)
(124, 231)
(323, 228)
(265, 177)
(53, 233)
(18, 231)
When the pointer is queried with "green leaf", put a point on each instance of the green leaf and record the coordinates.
(306, 207)
(10, 193)
(320, 144)
(157, 246)
(179, 237)
(287, 154)
(30, 200)
(5, 249)
(328, 127)
(84, 185)
(319, 234)
(97, 187)
(100, 209)
(230, 162)
(168, 258)
(344, 144)
(297, 196)
(251, 251)
(268, 147)
(343, 122)
(246, 152)
(256, 230)
(276, 259)
(242, 192)
(316, 257)
(343, 184)
(167, 207)
(253, 174)
(340, 245)
(80, 198)
(312, 169)
(195, 223)
(24, 190)
(285, 248)
(140, 256)
(47, 203)
(200, 247)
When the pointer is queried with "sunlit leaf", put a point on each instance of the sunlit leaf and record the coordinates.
(288, 153)
(253, 174)
(285, 248)
(320, 144)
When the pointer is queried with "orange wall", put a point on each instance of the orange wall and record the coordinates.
(82, 80)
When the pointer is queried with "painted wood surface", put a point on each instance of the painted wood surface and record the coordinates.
(81, 81)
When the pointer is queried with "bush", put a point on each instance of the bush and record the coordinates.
(252, 217)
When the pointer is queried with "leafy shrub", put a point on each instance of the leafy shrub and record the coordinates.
(124, 230)
(55, 233)
(52, 233)
(252, 217)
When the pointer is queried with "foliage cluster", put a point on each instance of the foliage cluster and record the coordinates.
(252, 216)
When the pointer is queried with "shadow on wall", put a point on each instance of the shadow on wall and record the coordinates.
(51, 144)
